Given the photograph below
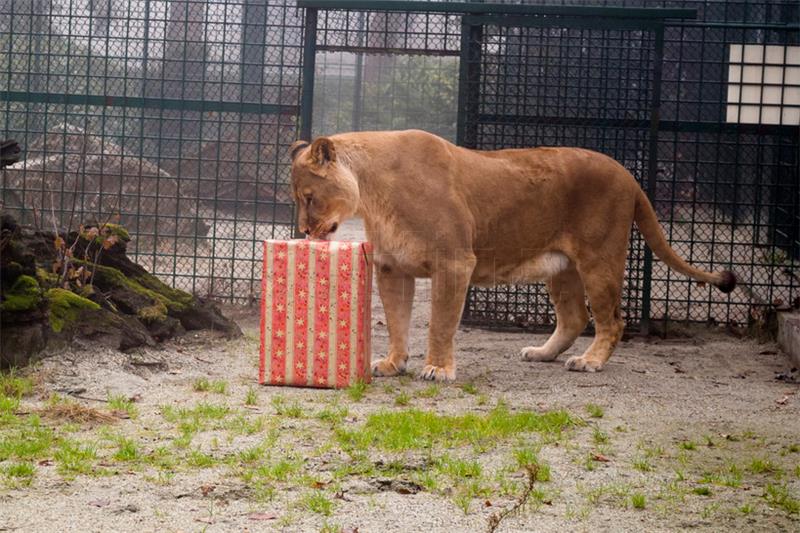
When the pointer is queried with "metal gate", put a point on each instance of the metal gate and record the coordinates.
(566, 81)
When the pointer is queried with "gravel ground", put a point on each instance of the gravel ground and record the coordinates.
(680, 416)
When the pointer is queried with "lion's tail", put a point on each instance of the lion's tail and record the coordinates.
(649, 227)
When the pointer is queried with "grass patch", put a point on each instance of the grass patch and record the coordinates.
(30, 440)
(762, 466)
(284, 408)
(251, 398)
(415, 429)
(19, 473)
(198, 459)
(638, 500)
(527, 459)
(431, 391)
(599, 437)
(333, 414)
(469, 388)
(204, 385)
(127, 450)
(702, 491)
(118, 402)
(779, 496)
(402, 399)
(687, 445)
(594, 410)
(642, 464)
(13, 385)
(316, 502)
(74, 458)
(357, 390)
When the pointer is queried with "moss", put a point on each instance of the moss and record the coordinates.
(45, 278)
(116, 229)
(171, 299)
(153, 313)
(24, 295)
(65, 307)
(107, 230)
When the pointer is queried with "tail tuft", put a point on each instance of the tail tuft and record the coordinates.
(728, 282)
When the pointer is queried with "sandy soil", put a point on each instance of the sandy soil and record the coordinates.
(717, 392)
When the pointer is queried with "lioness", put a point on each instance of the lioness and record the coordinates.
(458, 216)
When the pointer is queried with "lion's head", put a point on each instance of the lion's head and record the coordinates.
(324, 188)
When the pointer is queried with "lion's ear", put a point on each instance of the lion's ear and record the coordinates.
(323, 151)
(295, 148)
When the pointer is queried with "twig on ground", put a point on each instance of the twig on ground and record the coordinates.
(496, 518)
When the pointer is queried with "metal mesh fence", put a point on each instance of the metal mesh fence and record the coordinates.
(172, 118)
(568, 82)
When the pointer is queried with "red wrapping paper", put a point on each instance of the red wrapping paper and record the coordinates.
(315, 313)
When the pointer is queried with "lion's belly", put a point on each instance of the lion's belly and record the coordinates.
(542, 267)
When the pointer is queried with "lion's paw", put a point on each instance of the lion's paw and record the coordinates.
(437, 373)
(534, 353)
(582, 364)
(386, 368)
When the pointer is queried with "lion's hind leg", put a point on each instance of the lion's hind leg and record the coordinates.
(567, 294)
(603, 285)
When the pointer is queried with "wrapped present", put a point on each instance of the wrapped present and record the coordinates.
(315, 313)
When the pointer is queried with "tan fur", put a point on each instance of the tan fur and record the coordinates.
(462, 217)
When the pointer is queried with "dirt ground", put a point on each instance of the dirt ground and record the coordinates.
(684, 432)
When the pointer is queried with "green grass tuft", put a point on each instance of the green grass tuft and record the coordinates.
(402, 399)
(74, 458)
(317, 502)
(19, 473)
(118, 402)
(357, 390)
(251, 398)
(594, 410)
(779, 496)
(283, 408)
(638, 500)
(204, 385)
(431, 391)
(469, 388)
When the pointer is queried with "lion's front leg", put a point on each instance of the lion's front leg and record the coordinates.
(397, 294)
(449, 284)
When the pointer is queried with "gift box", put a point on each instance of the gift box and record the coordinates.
(315, 313)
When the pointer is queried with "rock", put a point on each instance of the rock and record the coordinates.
(49, 297)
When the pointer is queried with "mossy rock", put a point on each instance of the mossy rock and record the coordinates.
(24, 295)
(46, 279)
(65, 307)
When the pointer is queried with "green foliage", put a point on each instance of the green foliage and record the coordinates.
(403, 92)
(357, 390)
(74, 458)
(119, 402)
(204, 385)
(469, 388)
(638, 500)
(23, 295)
(15, 386)
(21, 473)
(402, 399)
(410, 429)
(284, 408)
(65, 306)
(779, 496)
(317, 502)
(594, 410)
(251, 398)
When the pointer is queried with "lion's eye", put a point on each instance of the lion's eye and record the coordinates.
(309, 199)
